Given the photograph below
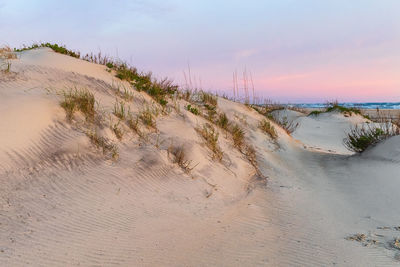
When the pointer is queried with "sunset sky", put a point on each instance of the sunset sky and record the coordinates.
(296, 50)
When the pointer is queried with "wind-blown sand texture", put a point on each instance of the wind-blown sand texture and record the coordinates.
(62, 203)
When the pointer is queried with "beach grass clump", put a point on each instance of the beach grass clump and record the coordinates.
(223, 121)
(268, 128)
(208, 98)
(192, 109)
(288, 125)
(180, 158)
(158, 89)
(361, 137)
(6, 54)
(120, 110)
(117, 130)
(79, 100)
(103, 143)
(237, 136)
(147, 118)
(210, 136)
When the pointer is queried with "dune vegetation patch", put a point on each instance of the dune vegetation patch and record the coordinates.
(180, 158)
(79, 100)
(268, 128)
(210, 136)
(334, 106)
(361, 137)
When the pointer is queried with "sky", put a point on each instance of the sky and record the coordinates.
(296, 50)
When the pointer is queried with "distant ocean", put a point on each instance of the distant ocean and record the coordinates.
(367, 105)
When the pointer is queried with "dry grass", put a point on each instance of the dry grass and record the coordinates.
(133, 124)
(79, 100)
(237, 136)
(103, 143)
(268, 128)
(180, 158)
(117, 130)
(288, 125)
(210, 137)
(147, 118)
(7, 53)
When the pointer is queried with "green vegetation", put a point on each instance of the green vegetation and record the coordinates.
(54, 47)
(315, 113)
(268, 128)
(194, 110)
(223, 121)
(360, 138)
(120, 110)
(79, 100)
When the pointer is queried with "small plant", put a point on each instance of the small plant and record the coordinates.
(103, 143)
(211, 112)
(360, 138)
(110, 65)
(117, 131)
(180, 158)
(268, 128)
(210, 137)
(146, 116)
(81, 100)
(120, 110)
(133, 124)
(194, 110)
(223, 121)
(237, 136)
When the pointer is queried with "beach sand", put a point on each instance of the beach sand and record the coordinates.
(63, 203)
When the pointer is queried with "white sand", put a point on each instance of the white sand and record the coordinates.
(63, 204)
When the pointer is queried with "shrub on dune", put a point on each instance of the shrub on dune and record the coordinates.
(268, 128)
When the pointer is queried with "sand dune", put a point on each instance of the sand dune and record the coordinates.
(63, 203)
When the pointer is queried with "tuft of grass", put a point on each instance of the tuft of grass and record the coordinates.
(288, 125)
(210, 137)
(360, 138)
(268, 128)
(103, 143)
(147, 118)
(120, 110)
(208, 98)
(79, 100)
(237, 136)
(193, 110)
(133, 124)
(180, 158)
(117, 130)
(6, 54)
(223, 121)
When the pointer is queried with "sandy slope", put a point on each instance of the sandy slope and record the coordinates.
(62, 203)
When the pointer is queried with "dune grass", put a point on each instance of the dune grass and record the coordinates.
(180, 158)
(223, 121)
(55, 47)
(120, 110)
(210, 136)
(361, 137)
(79, 100)
(103, 143)
(268, 128)
(147, 118)
(237, 136)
